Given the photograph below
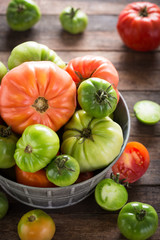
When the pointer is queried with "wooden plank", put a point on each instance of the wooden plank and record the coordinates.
(53, 36)
(89, 219)
(50, 7)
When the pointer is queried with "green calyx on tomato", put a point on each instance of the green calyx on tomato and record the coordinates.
(4, 205)
(36, 148)
(110, 194)
(73, 20)
(22, 14)
(33, 51)
(63, 170)
(3, 70)
(8, 142)
(97, 97)
(93, 142)
(36, 225)
(137, 221)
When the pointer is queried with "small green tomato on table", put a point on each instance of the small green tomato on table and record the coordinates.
(73, 20)
(22, 14)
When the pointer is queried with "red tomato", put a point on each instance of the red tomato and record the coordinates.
(37, 179)
(139, 26)
(36, 225)
(37, 92)
(82, 68)
(133, 162)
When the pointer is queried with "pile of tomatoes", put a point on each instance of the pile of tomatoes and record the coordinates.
(57, 117)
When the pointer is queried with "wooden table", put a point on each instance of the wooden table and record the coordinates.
(139, 79)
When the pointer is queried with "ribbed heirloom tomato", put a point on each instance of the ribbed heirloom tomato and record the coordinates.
(37, 92)
(82, 68)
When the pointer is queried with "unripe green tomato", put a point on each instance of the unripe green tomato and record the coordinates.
(73, 20)
(3, 205)
(22, 14)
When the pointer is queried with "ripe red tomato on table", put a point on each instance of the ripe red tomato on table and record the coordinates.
(133, 162)
(139, 26)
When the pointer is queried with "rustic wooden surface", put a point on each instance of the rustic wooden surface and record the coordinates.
(139, 79)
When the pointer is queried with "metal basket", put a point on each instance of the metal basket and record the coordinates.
(60, 197)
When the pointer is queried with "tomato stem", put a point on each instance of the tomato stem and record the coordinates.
(28, 149)
(140, 214)
(21, 8)
(31, 218)
(143, 12)
(102, 96)
(41, 104)
(5, 132)
(60, 164)
(85, 133)
(72, 12)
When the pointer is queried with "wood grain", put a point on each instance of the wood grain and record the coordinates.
(138, 80)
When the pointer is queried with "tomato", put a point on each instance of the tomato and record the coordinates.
(36, 148)
(137, 221)
(36, 179)
(93, 142)
(22, 14)
(8, 142)
(37, 92)
(147, 112)
(139, 26)
(110, 195)
(63, 170)
(97, 97)
(3, 70)
(33, 51)
(82, 68)
(84, 176)
(4, 205)
(133, 162)
(36, 225)
(73, 20)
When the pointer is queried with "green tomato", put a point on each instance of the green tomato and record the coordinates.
(22, 14)
(110, 195)
(93, 142)
(3, 205)
(36, 148)
(97, 97)
(73, 20)
(147, 112)
(137, 221)
(63, 171)
(3, 70)
(8, 142)
(33, 51)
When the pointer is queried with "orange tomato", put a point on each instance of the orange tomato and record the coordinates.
(36, 225)
(37, 92)
(36, 179)
(88, 66)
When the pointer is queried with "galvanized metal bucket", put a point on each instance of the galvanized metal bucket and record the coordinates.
(60, 197)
